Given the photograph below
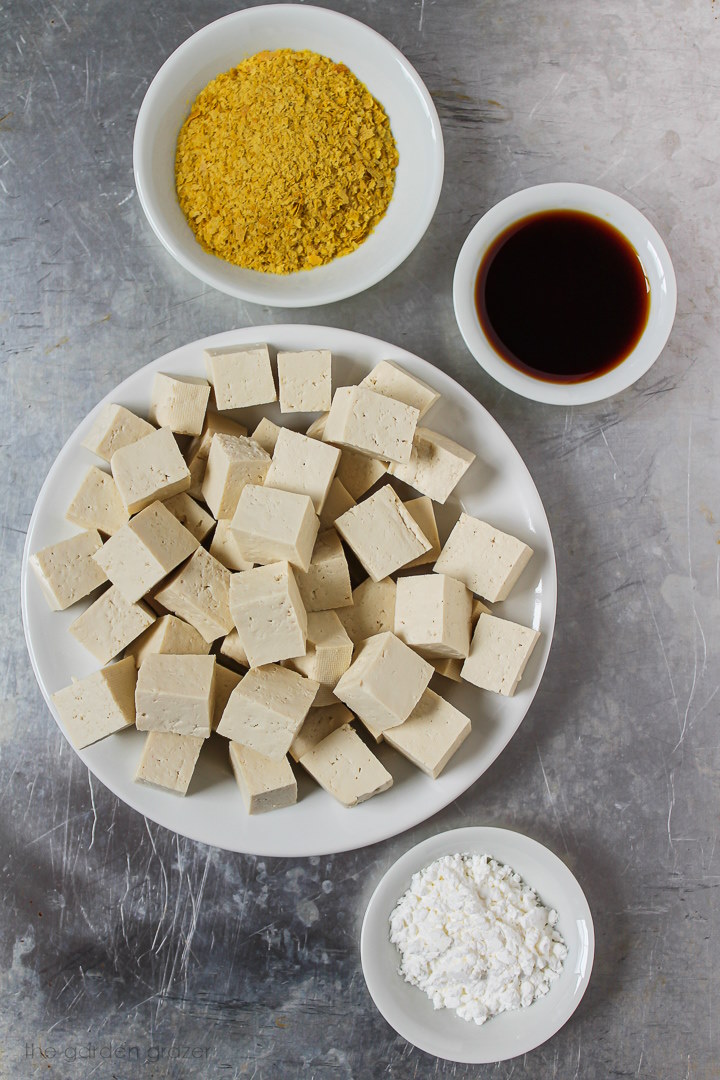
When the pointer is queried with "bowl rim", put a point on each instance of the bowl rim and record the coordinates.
(259, 293)
(627, 219)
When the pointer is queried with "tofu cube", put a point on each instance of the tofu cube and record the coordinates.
(432, 613)
(233, 648)
(451, 668)
(436, 465)
(358, 473)
(110, 623)
(225, 548)
(264, 784)
(318, 724)
(499, 651)
(145, 550)
(149, 469)
(115, 427)
(394, 382)
(272, 525)
(382, 533)
(168, 760)
(305, 380)
(304, 466)
(225, 682)
(197, 468)
(329, 650)
(371, 424)
(487, 561)
(97, 504)
(346, 767)
(422, 512)
(269, 613)
(215, 424)
(384, 682)
(179, 403)
(190, 514)
(326, 584)
(240, 377)
(317, 427)
(337, 502)
(104, 702)
(66, 571)
(431, 734)
(266, 435)
(372, 611)
(168, 634)
(266, 710)
(199, 593)
(176, 694)
(234, 461)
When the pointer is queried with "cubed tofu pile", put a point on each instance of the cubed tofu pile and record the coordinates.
(239, 617)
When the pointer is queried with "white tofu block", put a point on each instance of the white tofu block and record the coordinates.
(394, 382)
(329, 650)
(448, 668)
(233, 648)
(422, 512)
(234, 461)
(114, 428)
(346, 768)
(144, 551)
(358, 473)
(99, 705)
(266, 710)
(326, 584)
(66, 571)
(149, 469)
(199, 593)
(225, 548)
(382, 533)
(305, 380)
(271, 525)
(240, 377)
(179, 403)
(215, 424)
(384, 682)
(266, 435)
(436, 465)
(432, 613)
(168, 760)
(317, 427)
(176, 694)
(190, 514)
(303, 465)
(499, 651)
(225, 682)
(264, 784)
(432, 733)
(337, 502)
(168, 634)
(372, 611)
(110, 624)
(269, 613)
(197, 468)
(318, 724)
(97, 503)
(488, 561)
(370, 423)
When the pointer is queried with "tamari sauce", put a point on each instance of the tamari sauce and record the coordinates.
(562, 295)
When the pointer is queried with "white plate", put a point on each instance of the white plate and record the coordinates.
(389, 77)
(441, 1032)
(497, 486)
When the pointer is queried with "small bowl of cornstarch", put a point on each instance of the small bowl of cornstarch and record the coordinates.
(477, 945)
(288, 155)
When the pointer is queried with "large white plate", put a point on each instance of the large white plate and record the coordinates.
(497, 487)
(442, 1032)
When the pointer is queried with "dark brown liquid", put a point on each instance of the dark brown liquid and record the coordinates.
(562, 295)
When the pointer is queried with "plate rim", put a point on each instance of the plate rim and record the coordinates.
(266, 332)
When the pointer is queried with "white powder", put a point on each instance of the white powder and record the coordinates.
(475, 937)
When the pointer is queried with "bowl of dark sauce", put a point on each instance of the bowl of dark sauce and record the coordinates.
(565, 293)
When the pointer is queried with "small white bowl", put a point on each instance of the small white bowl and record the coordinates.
(441, 1032)
(627, 220)
(389, 77)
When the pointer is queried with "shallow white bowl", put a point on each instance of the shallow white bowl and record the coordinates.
(653, 255)
(389, 77)
(441, 1032)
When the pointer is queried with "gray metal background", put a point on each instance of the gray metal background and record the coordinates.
(116, 933)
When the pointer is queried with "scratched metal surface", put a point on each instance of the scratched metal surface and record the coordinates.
(116, 934)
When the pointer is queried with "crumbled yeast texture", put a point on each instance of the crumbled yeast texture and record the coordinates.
(285, 162)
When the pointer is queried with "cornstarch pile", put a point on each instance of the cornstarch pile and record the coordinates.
(475, 937)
